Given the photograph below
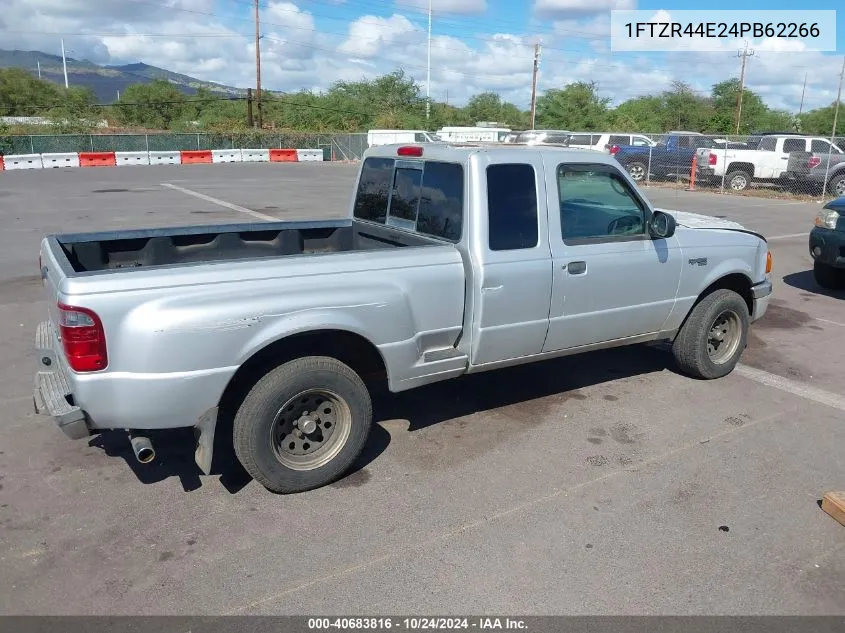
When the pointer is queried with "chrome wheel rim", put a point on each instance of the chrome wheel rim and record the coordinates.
(738, 183)
(310, 429)
(839, 189)
(636, 171)
(723, 337)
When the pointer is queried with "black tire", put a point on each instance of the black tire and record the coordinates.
(828, 277)
(738, 180)
(637, 170)
(691, 347)
(260, 417)
(836, 185)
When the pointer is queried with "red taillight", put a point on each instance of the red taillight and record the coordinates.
(410, 150)
(83, 338)
(712, 159)
(614, 149)
(814, 161)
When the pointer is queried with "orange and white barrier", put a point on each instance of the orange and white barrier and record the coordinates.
(184, 157)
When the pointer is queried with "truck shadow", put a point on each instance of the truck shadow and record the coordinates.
(524, 386)
(806, 282)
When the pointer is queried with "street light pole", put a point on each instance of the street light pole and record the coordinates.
(64, 62)
(428, 71)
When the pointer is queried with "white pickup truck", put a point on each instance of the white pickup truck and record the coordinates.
(768, 163)
(452, 260)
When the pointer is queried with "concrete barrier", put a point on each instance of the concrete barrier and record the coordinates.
(97, 159)
(255, 155)
(23, 161)
(166, 158)
(226, 156)
(2, 163)
(191, 157)
(132, 158)
(60, 159)
(304, 155)
(283, 156)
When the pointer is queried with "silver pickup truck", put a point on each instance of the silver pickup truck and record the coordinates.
(452, 260)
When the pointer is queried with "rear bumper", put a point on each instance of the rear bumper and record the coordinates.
(51, 393)
(760, 294)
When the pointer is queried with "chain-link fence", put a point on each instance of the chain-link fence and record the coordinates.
(340, 146)
(766, 166)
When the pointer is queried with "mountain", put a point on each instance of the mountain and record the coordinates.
(105, 81)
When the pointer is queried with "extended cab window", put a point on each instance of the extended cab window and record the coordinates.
(427, 198)
(768, 144)
(596, 203)
(512, 207)
(374, 189)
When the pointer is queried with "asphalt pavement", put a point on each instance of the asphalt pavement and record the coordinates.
(604, 483)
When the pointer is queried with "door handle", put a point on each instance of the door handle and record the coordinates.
(576, 268)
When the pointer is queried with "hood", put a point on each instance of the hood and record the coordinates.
(697, 221)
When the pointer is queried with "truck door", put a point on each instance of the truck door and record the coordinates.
(611, 279)
(512, 268)
(788, 146)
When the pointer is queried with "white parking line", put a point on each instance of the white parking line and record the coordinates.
(829, 321)
(787, 237)
(221, 203)
(791, 386)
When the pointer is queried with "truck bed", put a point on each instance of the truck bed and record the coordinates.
(90, 252)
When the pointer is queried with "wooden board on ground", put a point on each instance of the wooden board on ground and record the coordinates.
(834, 504)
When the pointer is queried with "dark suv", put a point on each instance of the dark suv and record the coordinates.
(827, 245)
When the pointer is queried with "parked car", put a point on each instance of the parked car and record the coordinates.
(670, 157)
(808, 172)
(543, 137)
(452, 260)
(769, 162)
(389, 137)
(827, 245)
(603, 141)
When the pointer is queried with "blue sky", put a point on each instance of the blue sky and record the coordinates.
(477, 44)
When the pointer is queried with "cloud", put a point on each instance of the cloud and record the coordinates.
(574, 8)
(467, 7)
(369, 35)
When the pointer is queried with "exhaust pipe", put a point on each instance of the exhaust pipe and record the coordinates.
(143, 449)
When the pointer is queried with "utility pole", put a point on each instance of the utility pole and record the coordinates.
(742, 55)
(534, 84)
(249, 120)
(428, 71)
(64, 62)
(835, 119)
(803, 90)
(258, 66)
(39, 69)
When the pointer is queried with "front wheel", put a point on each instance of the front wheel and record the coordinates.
(828, 277)
(303, 424)
(714, 336)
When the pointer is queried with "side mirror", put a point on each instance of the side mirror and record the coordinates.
(661, 225)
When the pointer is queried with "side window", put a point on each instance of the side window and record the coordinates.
(819, 146)
(419, 138)
(580, 139)
(374, 190)
(405, 200)
(512, 207)
(595, 202)
(640, 141)
(768, 144)
(442, 201)
(794, 145)
(618, 139)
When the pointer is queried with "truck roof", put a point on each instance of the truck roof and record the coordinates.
(462, 151)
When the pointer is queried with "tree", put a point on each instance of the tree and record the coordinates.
(21, 94)
(575, 107)
(158, 104)
(640, 114)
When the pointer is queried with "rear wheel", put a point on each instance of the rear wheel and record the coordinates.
(637, 171)
(738, 180)
(828, 277)
(303, 424)
(714, 336)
